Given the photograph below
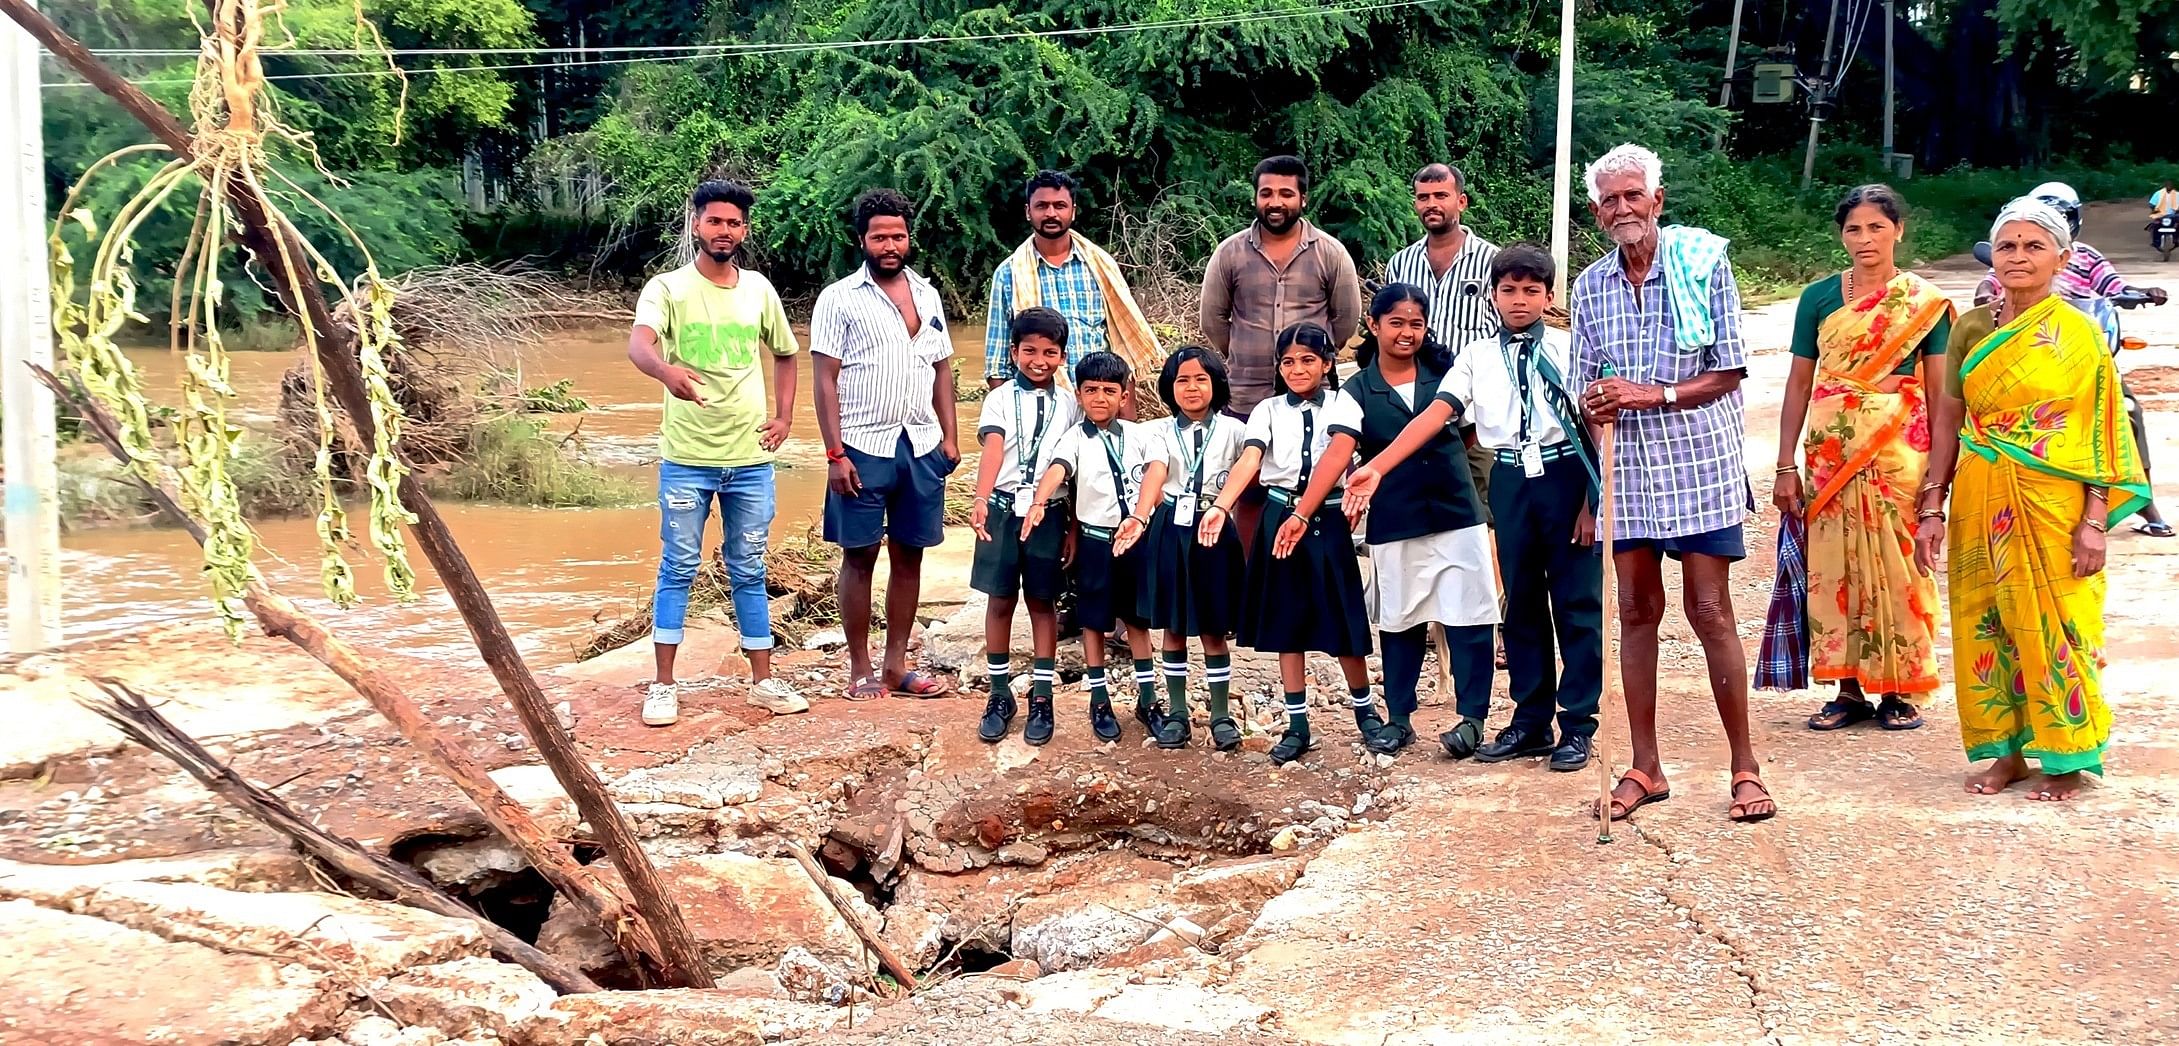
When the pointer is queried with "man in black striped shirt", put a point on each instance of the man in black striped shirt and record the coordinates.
(1452, 264)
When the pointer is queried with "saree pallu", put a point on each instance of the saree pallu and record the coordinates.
(1872, 617)
(2044, 422)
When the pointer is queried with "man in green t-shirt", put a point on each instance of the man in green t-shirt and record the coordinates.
(698, 332)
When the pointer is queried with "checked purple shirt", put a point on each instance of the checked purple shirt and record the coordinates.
(1676, 472)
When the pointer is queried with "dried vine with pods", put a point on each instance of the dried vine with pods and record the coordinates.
(229, 154)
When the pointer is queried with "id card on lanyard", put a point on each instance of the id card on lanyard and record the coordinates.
(1520, 376)
(1029, 448)
(1188, 505)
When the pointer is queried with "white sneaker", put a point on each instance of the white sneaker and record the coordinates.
(777, 696)
(661, 705)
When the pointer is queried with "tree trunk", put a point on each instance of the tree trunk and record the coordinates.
(276, 246)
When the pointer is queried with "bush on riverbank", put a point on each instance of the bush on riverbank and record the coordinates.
(512, 460)
(94, 489)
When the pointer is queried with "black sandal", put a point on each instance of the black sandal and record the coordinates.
(1225, 734)
(1842, 712)
(1173, 732)
(1895, 714)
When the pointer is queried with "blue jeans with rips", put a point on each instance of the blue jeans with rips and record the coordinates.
(745, 497)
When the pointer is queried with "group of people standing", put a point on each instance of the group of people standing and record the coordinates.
(1234, 517)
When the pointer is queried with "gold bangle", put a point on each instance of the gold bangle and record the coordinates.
(1930, 513)
(2097, 525)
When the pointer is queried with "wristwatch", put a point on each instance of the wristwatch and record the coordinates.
(1672, 396)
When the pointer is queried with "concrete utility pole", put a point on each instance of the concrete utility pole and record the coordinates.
(1819, 99)
(1890, 167)
(1732, 65)
(26, 337)
(1562, 168)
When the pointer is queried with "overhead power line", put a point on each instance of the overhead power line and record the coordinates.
(631, 55)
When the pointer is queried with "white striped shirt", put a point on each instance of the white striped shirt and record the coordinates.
(1460, 305)
(887, 379)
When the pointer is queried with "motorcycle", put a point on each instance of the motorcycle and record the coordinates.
(2164, 235)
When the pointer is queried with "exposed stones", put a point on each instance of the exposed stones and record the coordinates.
(806, 978)
(466, 996)
(1247, 883)
(470, 862)
(99, 982)
(751, 982)
(916, 934)
(1082, 927)
(321, 930)
(744, 911)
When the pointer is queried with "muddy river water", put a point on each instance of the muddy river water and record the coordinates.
(552, 572)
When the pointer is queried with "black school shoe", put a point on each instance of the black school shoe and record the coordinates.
(1102, 722)
(1572, 754)
(1173, 732)
(1390, 738)
(1225, 734)
(1463, 739)
(1039, 727)
(1150, 714)
(998, 715)
(1515, 743)
(1292, 745)
(1368, 722)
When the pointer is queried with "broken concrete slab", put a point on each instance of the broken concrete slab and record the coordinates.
(1181, 1007)
(321, 930)
(465, 997)
(671, 1017)
(92, 981)
(743, 910)
(250, 870)
(1082, 927)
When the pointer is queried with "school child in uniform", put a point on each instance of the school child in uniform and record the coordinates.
(1516, 388)
(1190, 588)
(1310, 599)
(1429, 553)
(1021, 419)
(1099, 465)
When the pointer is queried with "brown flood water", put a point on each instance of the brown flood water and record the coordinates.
(551, 571)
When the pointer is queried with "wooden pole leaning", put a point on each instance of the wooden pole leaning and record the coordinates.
(1608, 622)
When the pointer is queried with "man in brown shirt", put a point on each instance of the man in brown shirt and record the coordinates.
(1279, 271)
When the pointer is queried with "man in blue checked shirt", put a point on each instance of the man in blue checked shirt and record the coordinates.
(1657, 340)
(1061, 270)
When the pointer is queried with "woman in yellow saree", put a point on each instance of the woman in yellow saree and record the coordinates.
(1866, 344)
(2046, 464)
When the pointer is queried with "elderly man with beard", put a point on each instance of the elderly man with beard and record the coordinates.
(885, 407)
(1657, 339)
(1060, 269)
(1279, 271)
(699, 332)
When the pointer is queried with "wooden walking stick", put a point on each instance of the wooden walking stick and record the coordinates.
(1611, 612)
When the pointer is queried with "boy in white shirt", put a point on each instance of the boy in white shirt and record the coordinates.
(1100, 461)
(1021, 421)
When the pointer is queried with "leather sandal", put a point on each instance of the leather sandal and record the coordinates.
(1653, 791)
(1740, 812)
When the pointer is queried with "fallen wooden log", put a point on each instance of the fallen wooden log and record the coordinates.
(280, 617)
(887, 957)
(132, 715)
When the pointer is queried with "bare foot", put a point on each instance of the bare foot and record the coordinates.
(1998, 776)
(2056, 788)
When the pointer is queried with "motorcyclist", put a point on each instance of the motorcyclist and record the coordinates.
(2164, 201)
(2088, 276)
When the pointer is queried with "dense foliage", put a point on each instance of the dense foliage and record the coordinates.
(1161, 125)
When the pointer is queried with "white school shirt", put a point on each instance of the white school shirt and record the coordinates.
(1100, 498)
(1174, 444)
(887, 378)
(1485, 394)
(1343, 411)
(1028, 446)
(1276, 427)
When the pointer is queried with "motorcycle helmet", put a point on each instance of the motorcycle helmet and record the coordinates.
(2064, 200)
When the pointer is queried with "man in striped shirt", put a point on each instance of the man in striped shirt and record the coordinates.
(885, 402)
(1453, 264)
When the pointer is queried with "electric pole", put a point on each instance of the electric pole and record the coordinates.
(1820, 99)
(1562, 168)
(1732, 65)
(26, 337)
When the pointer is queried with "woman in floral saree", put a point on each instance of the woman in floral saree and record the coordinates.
(1866, 344)
(2046, 464)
